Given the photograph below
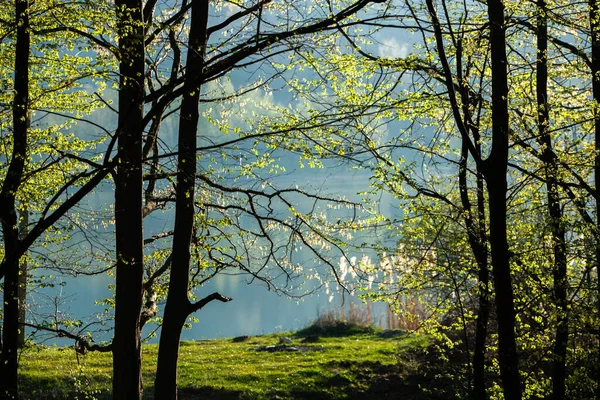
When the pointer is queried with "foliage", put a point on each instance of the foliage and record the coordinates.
(422, 122)
(423, 115)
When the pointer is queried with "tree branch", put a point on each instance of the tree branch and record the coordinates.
(201, 303)
(82, 344)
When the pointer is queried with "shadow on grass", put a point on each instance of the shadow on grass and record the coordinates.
(357, 380)
(360, 380)
(375, 380)
(48, 389)
(209, 393)
(372, 380)
(419, 374)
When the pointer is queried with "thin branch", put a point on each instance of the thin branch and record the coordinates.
(201, 303)
(83, 344)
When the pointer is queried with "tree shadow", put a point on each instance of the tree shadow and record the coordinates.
(209, 393)
(360, 380)
(47, 389)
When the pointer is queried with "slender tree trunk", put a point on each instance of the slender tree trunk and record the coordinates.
(507, 347)
(483, 314)
(23, 230)
(493, 170)
(481, 329)
(476, 231)
(178, 306)
(595, 39)
(8, 209)
(496, 167)
(10, 327)
(478, 244)
(554, 210)
(127, 351)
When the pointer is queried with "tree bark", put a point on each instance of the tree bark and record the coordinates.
(554, 210)
(178, 306)
(127, 354)
(495, 170)
(8, 209)
(475, 222)
(595, 72)
(23, 230)
(478, 244)
(481, 329)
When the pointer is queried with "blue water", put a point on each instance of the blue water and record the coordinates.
(254, 309)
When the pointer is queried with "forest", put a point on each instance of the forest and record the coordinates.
(477, 121)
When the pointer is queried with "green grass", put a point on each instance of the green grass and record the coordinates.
(355, 364)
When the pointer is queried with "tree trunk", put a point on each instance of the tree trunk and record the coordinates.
(23, 230)
(507, 347)
(495, 171)
(478, 242)
(595, 71)
(127, 354)
(483, 313)
(476, 231)
(178, 306)
(554, 210)
(8, 209)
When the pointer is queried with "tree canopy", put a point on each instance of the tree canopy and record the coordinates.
(480, 120)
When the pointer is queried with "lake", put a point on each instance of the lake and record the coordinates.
(254, 309)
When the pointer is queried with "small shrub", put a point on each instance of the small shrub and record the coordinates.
(439, 371)
(355, 320)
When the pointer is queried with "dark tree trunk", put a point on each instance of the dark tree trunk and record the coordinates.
(495, 171)
(8, 209)
(178, 306)
(554, 210)
(476, 229)
(10, 327)
(483, 313)
(507, 347)
(127, 352)
(23, 230)
(478, 244)
(595, 39)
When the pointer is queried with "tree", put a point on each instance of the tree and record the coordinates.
(458, 86)
(554, 208)
(8, 205)
(148, 37)
(594, 70)
(48, 147)
(495, 180)
(127, 347)
(178, 306)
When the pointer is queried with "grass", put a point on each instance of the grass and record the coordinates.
(355, 363)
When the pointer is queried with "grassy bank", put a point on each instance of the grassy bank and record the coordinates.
(347, 363)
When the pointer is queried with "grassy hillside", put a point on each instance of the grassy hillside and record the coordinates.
(344, 363)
